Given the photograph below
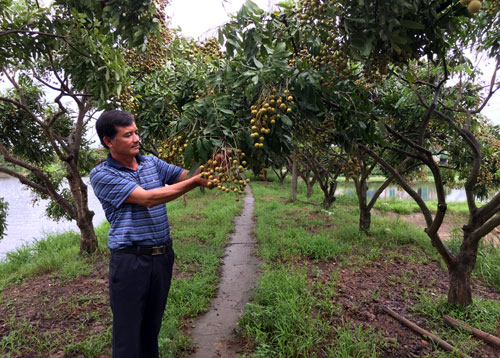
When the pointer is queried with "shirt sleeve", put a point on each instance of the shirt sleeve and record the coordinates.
(168, 172)
(111, 188)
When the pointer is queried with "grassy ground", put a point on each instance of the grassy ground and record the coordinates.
(320, 293)
(72, 289)
(312, 259)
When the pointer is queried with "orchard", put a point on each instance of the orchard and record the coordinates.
(376, 89)
(316, 79)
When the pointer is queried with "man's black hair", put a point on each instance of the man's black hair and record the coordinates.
(108, 121)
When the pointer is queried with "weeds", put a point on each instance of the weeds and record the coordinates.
(200, 231)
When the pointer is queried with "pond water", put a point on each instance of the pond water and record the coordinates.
(27, 222)
(426, 191)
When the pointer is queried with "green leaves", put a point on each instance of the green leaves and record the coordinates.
(4, 206)
(409, 24)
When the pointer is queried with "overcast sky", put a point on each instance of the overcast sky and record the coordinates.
(199, 19)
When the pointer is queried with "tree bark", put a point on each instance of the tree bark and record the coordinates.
(328, 201)
(88, 241)
(365, 217)
(84, 215)
(295, 174)
(309, 185)
(329, 195)
(460, 292)
(306, 176)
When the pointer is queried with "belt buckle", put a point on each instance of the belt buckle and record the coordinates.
(158, 250)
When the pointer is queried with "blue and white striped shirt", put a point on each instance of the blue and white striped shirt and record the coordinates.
(133, 224)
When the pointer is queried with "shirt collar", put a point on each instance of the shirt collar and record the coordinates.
(113, 163)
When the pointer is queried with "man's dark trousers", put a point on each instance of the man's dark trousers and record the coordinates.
(138, 287)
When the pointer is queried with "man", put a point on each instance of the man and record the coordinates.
(132, 191)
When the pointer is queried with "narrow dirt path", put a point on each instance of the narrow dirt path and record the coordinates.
(214, 331)
(449, 224)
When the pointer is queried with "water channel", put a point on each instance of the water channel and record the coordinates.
(27, 222)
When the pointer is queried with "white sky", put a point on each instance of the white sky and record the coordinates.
(199, 19)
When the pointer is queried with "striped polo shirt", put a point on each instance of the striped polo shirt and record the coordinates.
(133, 224)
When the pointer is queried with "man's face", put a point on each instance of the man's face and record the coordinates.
(126, 141)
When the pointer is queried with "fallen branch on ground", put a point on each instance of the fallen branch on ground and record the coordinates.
(491, 339)
(443, 344)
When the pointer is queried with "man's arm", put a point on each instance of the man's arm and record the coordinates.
(184, 175)
(153, 197)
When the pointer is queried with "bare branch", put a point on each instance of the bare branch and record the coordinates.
(416, 146)
(431, 108)
(24, 180)
(488, 210)
(436, 240)
(476, 148)
(492, 90)
(387, 183)
(48, 187)
(486, 228)
(46, 34)
(16, 86)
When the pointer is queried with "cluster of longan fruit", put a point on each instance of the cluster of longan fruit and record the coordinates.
(129, 103)
(314, 19)
(351, 167)
(226, 175)
(266, 112)
(209, 48)
(153, 57)
(315, 11)
(172, 149)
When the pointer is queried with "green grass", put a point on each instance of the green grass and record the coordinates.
(200, 231)
(280, 319)
(287, 319)
(410, 206)
(488, 260)
(482, 314)
(292, 316)
(56, 253)
(294, 237)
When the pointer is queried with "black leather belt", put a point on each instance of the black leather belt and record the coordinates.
(147, 250)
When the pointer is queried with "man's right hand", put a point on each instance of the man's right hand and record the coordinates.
(206, 183)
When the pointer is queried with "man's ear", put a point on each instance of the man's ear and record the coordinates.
(107, 141)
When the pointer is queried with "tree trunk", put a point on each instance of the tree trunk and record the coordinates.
(328, 201)
(309, 186)
(460, 292)
(329, 194)
(365, 219)
(88, 241)
(83, 216)
(295, 174)
(280, 174)
(365, 216)
(309, 183)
